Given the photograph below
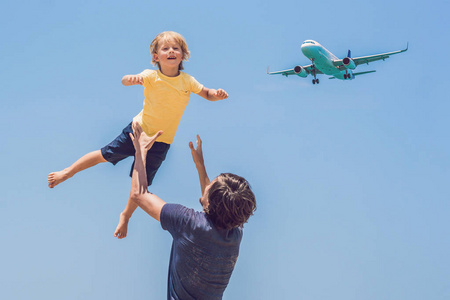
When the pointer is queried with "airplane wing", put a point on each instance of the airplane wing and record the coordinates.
(309, 69)
(358, 73)
(284, 72)
(367, 59)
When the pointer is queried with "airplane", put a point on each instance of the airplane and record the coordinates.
(324, 62)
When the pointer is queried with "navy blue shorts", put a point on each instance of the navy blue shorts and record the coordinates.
(122, 147)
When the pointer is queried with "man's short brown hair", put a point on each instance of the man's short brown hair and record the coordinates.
(231, 201)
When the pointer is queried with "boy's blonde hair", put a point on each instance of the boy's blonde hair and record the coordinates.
(167, 36)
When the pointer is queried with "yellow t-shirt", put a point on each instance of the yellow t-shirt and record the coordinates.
(164, 103)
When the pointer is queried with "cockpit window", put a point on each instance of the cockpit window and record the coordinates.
(309, 42)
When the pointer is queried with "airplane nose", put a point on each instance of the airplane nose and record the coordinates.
(305, 49)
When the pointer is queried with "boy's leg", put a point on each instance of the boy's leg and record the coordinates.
(121, 147)
(86, 161)
(155, 156)
(122, 227)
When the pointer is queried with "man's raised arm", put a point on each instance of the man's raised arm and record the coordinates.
(150, 203)
(197, 156)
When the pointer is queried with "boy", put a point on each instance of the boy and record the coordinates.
(167, 91)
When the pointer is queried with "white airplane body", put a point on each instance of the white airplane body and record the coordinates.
(325, 62)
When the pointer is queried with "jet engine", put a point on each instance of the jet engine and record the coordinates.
(300, 71)
(349, 63)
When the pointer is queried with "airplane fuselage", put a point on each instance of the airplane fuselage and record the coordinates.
(323, 59)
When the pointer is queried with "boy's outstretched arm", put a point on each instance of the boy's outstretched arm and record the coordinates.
(213, 95)
(150, 203)
(197, 156)
(128, 80)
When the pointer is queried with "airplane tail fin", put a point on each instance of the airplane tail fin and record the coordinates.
(349, 54)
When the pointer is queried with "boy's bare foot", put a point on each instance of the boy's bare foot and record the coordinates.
(122, 228)
(56, 178)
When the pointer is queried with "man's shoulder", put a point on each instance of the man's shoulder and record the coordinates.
(174, 208)
(176, 215)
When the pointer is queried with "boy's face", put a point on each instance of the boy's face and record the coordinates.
(169, 54)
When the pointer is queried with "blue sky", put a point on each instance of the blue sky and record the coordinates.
(351, 178)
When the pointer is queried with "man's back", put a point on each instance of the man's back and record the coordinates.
(202, 257)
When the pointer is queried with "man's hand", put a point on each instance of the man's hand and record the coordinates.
(141, 141)
(139, 194)
(220, 94)
(132, 80)
(197, 154)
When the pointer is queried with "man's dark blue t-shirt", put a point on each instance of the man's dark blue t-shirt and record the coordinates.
(202, 257)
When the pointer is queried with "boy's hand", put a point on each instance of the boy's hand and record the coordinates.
(212, 94)
(197, 154)
(221, 94)
(141, 141)
(133, 79)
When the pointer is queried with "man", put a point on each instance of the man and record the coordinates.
(205, 244)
